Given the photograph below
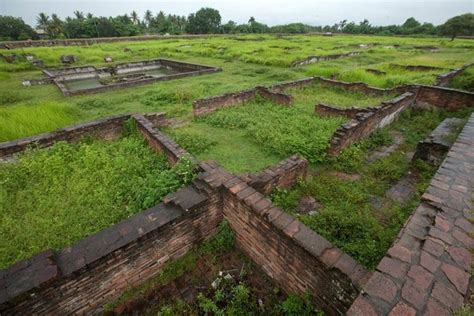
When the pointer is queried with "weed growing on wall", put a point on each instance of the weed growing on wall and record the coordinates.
(51, 197)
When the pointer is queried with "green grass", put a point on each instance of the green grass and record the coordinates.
(24, 120)
(465, 81)
(348, 218)
(50, 198)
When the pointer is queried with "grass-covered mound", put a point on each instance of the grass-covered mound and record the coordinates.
(50, 198)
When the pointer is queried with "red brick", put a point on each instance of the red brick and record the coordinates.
(402, 309)
(238, 187)
(464, 224)
(414, 294)
(463, 238)
(448, 296)
(393, 267)
(401, 253)
(382, 287)
(461, 256)
(346, 264)
(442, 224)
(292, 228)
(458, 277)
(441, 235)
(362, 307)
(429, 262)
(421, 277)
(434, 246)
(330, 256)
(433, 308)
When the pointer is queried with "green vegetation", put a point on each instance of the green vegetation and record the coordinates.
(25, 120)
(232, 296)
(49, 198)
(465, 81)
(356, 215)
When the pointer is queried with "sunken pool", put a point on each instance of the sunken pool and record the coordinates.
(89, 79)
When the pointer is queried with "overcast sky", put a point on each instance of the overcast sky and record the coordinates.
(271, 12)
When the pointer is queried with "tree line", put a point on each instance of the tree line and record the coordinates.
(206, 21)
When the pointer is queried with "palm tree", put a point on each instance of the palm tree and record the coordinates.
(79, 15)
(89, 16)
(134, 17)
(148, 17)
(42, 21)
(56, 26)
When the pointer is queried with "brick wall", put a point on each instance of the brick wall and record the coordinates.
(81, 278)
(445, 79)
(315, 59)
(353, 86)
(206, 106)
(327, 110)
(428, 268)
(368, 121)
(296, 258)
(107, 128)
(159, 141)
(449, 99)
(283, 175)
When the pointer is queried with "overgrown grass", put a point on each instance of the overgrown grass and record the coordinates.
(349, 218)
(279, 129)
(465, 81)
(50, 198)
(25, 120)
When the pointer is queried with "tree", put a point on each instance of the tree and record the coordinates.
(42, 21)
(148, 17)
(79, 15)
(55, 26)
(134, 17)
(12, 28)
(411, 23)
(204, 21)
(459, 25)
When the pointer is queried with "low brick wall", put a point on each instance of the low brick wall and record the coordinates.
(107, 128)
(159, 141)
(275, 97)
(367, 122)
(353, 86)
(209, 105)
(206, 106)
(427, 270)
(283, 175)
(300, 83)
(296, 258)
(446, 98)
(445, 79)
(81, 278)
(315, 59)
(416, 67)
(327, 110)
